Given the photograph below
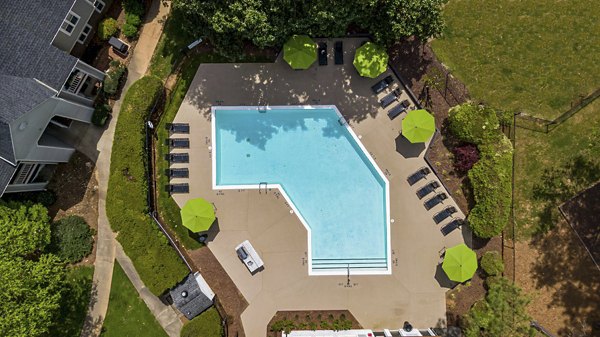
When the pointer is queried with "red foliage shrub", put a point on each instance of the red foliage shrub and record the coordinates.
(465, 156)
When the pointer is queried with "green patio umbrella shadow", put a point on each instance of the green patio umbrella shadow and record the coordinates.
(418, 126)
(460, 263)
(370, 60)
(300, 52)
(197, 215)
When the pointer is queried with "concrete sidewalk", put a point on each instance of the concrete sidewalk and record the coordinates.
(97, 143)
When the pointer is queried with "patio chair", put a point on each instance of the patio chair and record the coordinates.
(178, 188)
(425, 190)
(405, 103)
(390, 98)
(435, 200)
(396, 111)
(382, 85)
(417, 176)
(178, 158)
(338, 52)
(179, 143)
(449, 228)
(178, 127)
(322, 51)
(178, 173)
(444, 214)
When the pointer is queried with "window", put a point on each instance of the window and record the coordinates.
(98, 5)
(69, 23)
(84, 33)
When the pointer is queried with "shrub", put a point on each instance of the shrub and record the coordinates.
(285, 325)
(112, 81)
(208, 324)
(133, 19)
(107, 28)
(101, 114)
(465, 156)
(130, 31)
(491, 263)
(46, 198)
(474, 123)
(71, 239)
(135, 7)
(156, 262)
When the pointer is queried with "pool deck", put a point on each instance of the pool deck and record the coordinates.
(415, 291)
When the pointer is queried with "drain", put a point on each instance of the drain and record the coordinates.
(247, 155)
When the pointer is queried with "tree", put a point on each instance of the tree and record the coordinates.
(24, 228)
(30, 293)
(502, 313)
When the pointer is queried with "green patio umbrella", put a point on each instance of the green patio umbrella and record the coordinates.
(460, 263)
(197, 215)
(370, 60)
(418, 126)
(300, 51)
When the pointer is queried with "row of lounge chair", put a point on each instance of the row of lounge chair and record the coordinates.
(437, 199)
(390, 98)
(177, 158)
(338, 53)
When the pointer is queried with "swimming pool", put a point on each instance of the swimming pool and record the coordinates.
(323, 171)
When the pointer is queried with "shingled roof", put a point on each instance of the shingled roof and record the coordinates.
(189, 298)
(6, 172)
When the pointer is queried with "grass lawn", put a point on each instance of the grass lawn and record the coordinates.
(208, 324)
(551, 168)
(535, 56)
(75, 301)
(127, 314)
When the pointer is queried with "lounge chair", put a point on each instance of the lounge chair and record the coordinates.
(417, 176)
(322, 51)
(381, 85)
(178, 127)
(178, 173)
(396, 111)
(444, 214)
(390, 98)
(178, 188)
(435, 200)
(338, 52)
(425, 190)
(449, 228)
(178, 158)
(179, 143)
(405, 103)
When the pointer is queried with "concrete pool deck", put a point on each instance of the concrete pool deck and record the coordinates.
(411, 293)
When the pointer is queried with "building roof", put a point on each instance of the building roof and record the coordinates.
(27, 29)
(6, 172)
(189, 298)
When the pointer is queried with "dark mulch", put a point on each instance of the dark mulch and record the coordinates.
(307, 317)
(582, 214)
(230, 299)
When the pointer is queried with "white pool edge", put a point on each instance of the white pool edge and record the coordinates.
(328, 272)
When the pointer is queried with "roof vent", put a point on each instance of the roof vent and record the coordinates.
(184, 293)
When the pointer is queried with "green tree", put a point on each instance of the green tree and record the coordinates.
(30, 293)
(503, 312)
(24, 228)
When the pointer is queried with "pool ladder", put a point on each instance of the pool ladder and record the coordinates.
(260, 185)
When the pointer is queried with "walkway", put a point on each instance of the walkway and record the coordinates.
(97, 143)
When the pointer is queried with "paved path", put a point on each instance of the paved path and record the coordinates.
(98, 144)
(164, 314)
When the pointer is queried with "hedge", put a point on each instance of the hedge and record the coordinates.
(491, 263)
(491, 176)
(157, 263)
(208, 324)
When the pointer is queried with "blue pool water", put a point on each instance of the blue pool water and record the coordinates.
(323, 170)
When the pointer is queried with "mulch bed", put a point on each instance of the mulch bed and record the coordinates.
(307, 317)
(582, 214)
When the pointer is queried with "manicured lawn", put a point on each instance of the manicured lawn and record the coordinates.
(75, 301)
(127, 314)
(208, 324)
(551, 168)
(535, 56)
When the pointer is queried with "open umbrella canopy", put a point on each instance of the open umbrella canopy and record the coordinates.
(460, 263)
(300, 51)
(197, 215)
(418, 126)
(370, 60)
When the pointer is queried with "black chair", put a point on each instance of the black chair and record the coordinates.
(322, 51)
(390, 98)
(338, 52)
(178, 173)
(444, 214)
(178, 127)
(435, 200)
(382, 85)
(396, 111)
(452, 226)
(178, 158)
(425, 190)
(178, 188)
(179, 143)
(417, 176)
